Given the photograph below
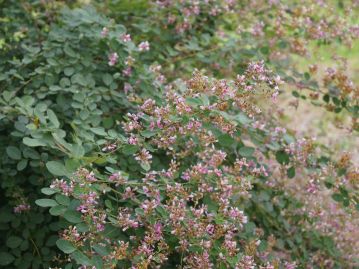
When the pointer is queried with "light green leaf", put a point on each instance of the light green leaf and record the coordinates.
(57, 210)
(32, 142)
(103, 251)
(246, 151)
(53, 119)
(65, 246)
(48, 191)
(62, 199)
(73, 216)
(46, 202)
(99, 131)
(81, 258)
(107, 79)
(21, 165)
(130, 149)
(56, 168)
(77, 151)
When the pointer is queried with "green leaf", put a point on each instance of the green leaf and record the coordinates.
(48, 191)
(46, 202)
(6, 258)
(337, 197)
(77, 151)
(291, 172)
(326, 98)
(103, 251)
(148, 133)
(226, 140)
(56, 168)
(194, 101)
(242, 118)
(14, 241)
(58, 210)
(81, 258)
(246, 151)
(295, 94)
(129, 149)
(62, 199)
(78, 79)
(107, 79)
(282, 157)
(73, 216)
(99, 131)
(139, 211)
(13, 152)
(21, 165)
(212, 205)
(97, 262)
(69, 51)
(65, 246)
(162, 211)
(31, 142)
(69, 71)
(53, 119)
(146, 166)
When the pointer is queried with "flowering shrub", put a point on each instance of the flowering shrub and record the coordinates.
(181, 194)
(149, 164)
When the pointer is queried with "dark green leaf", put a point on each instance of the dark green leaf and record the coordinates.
(282, 157)
(13, 152)
(291, 172)
(6, 258)
(14, 241)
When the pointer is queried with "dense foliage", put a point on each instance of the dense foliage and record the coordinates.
(144, 134)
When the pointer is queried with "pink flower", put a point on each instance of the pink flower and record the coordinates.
(91, 177)
(143, 156)
(110, 147)
(104, 31)
(290, 265)
(125, 38)
(65, 188)
(21, 208)
(158, 229)
(144, 46)
(127, 87)
(210, 229)
(127, 72)
(112, 59)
